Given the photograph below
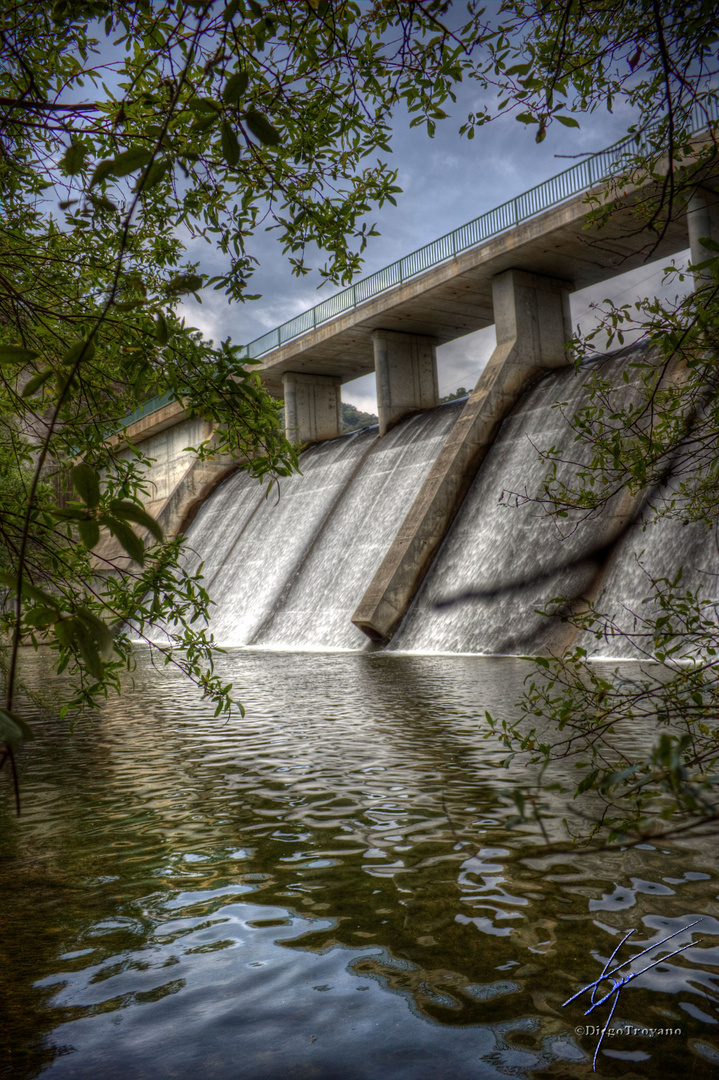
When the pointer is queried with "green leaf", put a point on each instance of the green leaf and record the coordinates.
(100, 202)
(42, 617)
(135, 512)
(587, 782)
(157, 171)
(72, 512)
(130, 161)
(72, 160)
(89, 533)
(709, 244)
(568, 121)
(29, 591)
(64, 631)
(9, 579)
(162, 332)
(100, 630)
(13, 728)
(235, 87)
(87, 483)
(84, 349)
(132, 544)
(205, 105)
(231, 9)
(129, 305)
(230, 146)
(103, 169)
(84, 642)
(184, 283)
(261, 128)
(13, 354)
(39, 380)
(204, 123)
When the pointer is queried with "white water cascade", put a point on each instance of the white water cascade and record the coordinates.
(287, 570)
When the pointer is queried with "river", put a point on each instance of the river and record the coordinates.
(326, 888)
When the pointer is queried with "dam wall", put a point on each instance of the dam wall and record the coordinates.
(287, 568)
(431, 533)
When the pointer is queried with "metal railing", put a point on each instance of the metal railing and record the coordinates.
(577, 178)
(146, 408)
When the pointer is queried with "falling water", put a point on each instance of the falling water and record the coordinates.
(508, 545)
(654, 549)
(287, 569)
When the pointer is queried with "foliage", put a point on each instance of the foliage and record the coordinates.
(650, 441)
(460, 392)
(353, 418)
(128, 128)
(655, 445)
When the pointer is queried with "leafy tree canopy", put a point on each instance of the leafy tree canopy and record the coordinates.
(129, 127)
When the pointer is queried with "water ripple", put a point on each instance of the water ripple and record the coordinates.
(319, 891)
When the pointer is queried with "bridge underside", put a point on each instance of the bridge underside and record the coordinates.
(455, 298)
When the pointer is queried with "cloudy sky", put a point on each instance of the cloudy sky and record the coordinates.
(446, 181)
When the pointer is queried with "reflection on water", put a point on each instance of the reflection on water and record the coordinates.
(324, 889)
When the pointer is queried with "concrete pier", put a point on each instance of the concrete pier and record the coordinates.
(703, 223)
(406, 372)
(533, 323)
(313, 407)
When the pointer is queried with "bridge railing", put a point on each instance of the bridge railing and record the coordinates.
(146, 408)
(584, 175)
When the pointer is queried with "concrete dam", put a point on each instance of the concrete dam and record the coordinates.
(289, 572)
(387, 530)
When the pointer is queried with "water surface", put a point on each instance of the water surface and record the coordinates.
(326, 888)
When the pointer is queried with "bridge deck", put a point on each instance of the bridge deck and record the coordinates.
(455, 297)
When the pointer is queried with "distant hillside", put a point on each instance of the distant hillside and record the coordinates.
(460, 393)
(353, 418)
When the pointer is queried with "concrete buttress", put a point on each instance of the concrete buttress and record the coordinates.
(533, 324)
(313, 407)
(406, 372)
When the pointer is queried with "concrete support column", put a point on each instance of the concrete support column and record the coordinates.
(703, 222)
(533, 323)
(406, 370)
(313, 407)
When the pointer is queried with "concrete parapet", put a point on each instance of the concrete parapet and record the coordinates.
(533, 324)
(313, 407)
(176, 481)
(406, 372)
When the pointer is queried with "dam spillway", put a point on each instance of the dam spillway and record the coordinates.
(287, 568)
